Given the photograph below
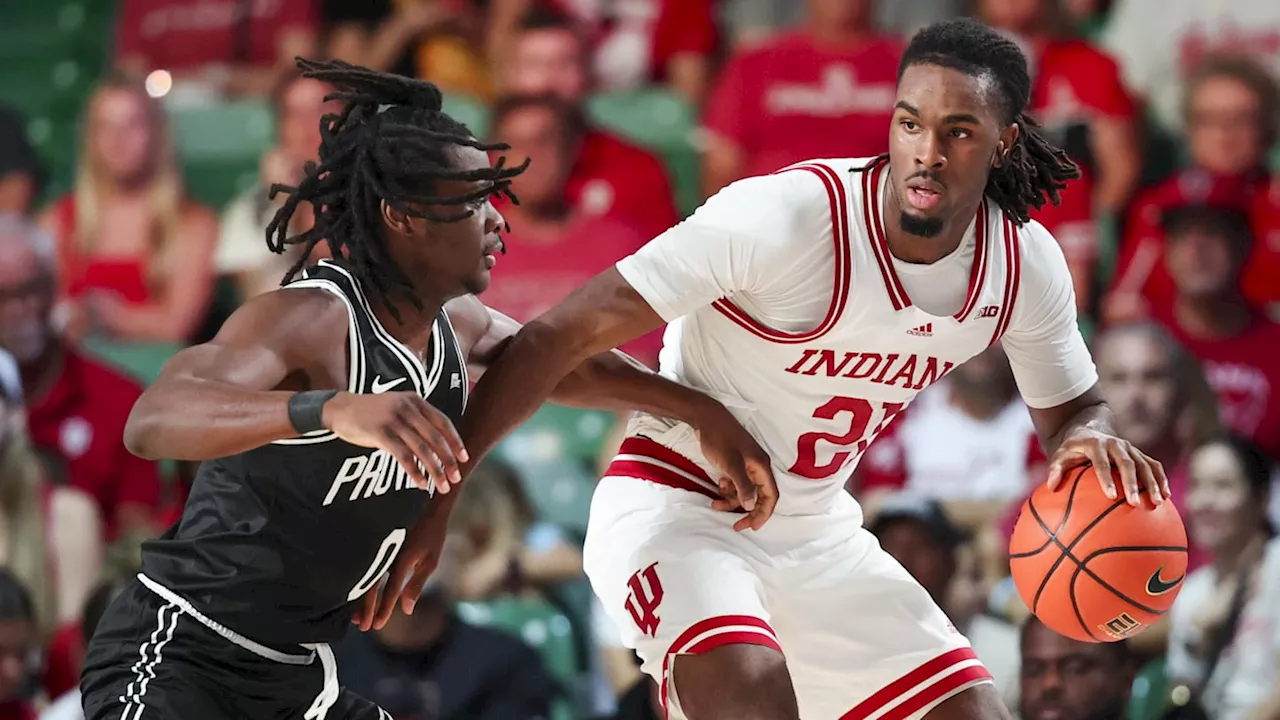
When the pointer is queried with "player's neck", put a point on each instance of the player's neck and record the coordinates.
(1222, 316)
(918, 249)
(413, 328)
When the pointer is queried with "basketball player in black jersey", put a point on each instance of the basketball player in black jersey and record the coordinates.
(322, 411)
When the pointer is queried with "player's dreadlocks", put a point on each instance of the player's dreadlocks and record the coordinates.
(390, 142)
(1033, 170)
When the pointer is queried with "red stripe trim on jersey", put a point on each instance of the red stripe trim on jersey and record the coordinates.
(979, 271)
(709, 634)
(875, 231)
(645, 459)
(912, 684)
(1013, 274)
(843, 269)
(933, 695)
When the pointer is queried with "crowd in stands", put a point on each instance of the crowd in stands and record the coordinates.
(139, 140)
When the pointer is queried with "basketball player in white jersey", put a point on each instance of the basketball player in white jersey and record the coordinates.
(815, 303)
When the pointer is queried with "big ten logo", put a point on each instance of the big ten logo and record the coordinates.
(643, 599)
(1120, 627)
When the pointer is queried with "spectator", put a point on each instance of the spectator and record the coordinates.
(437, 40)
(1232, 111)
(1205, 254)
(633, 43)
(1224, 640)
(134, 254)
(1065, 679)
(502, 548)
(1159, 43)
(610, 177)
(432, 665)
(66, 706)
(242, 251)
(1080, 100)
(223, 47)
(76, 406)
(18, 648)
(50, 536)
(825, 90)
(553, 248)
(22, 177)
(917, 532)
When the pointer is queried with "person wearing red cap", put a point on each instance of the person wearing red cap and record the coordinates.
(1232, 110)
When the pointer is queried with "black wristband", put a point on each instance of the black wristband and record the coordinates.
(305, 409)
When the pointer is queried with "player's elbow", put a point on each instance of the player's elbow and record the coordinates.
(139, 429)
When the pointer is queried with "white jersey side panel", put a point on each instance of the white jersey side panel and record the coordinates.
(783, 303)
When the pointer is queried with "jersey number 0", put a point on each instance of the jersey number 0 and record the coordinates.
(861, 413)
(381, 561)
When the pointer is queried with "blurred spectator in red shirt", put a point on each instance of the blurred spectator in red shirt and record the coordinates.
(634, 42)
(609, 176)
(1080, 100)
(826, 90)
(1160, 43)
(22, 177)
(225, 47)
(242, 252)
(135, 254)
(1232, 111)
(436, 40)
(552, 248)
(18, 644)
(76, 406)
(1238, 346)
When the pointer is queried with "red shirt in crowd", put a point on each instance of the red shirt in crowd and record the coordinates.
(1141, 266)
(1074, 85)
(80, 273)
(793, 99)
(614, 179)
(17, 710)
(190, 34)
(634, 40)
(534, 276)
(80, 422)
(1244, 372)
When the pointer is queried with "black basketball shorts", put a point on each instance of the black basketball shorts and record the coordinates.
(154, 657)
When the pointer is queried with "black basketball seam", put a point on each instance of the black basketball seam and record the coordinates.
(1052, 535)
(1066, 549)
(1082, 566)
(1031, 506)
(1075, 604)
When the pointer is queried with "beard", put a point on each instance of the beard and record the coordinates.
(920, 227)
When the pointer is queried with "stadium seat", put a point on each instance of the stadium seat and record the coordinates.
(555, 455)
(540, 625)
(660, 121)
(226, 131)
(142, 361)
(469, 112)
(1149, 699)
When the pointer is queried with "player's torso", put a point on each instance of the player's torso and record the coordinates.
(817, 399)
(277, 541)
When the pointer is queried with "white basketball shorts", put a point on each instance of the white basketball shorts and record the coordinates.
(862, 640)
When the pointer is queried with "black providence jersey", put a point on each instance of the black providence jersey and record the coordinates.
(278, 542)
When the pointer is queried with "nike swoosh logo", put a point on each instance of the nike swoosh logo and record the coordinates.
(1157, 585)
(380, 387)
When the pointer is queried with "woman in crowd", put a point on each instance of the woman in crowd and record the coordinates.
(135, 254)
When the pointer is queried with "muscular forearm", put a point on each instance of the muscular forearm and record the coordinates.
(1096, 417)
(193, 419)
(534, 367)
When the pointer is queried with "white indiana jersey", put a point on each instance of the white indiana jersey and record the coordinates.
(785, 304)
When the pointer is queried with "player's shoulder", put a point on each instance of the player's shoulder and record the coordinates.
(1038, 250)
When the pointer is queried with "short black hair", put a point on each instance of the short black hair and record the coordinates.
(391, 142)
(1033, 171)
(1120, 650)
(542, 18)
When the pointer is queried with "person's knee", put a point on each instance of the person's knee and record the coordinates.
(980, 702)
(734, 682)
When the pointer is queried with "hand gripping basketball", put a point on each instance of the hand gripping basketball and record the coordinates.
(418, 436)
(1137, 472)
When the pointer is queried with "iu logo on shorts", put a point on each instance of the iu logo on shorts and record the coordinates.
(642, 601)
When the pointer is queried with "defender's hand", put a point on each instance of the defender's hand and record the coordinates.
(746, 479)
(415, 562)
(418, 436)
(1137, 471)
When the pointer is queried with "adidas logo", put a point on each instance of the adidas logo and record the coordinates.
(925, 330)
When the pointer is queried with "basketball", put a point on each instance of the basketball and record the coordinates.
(1093, 568)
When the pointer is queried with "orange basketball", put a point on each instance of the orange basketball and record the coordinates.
(1096, 569)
